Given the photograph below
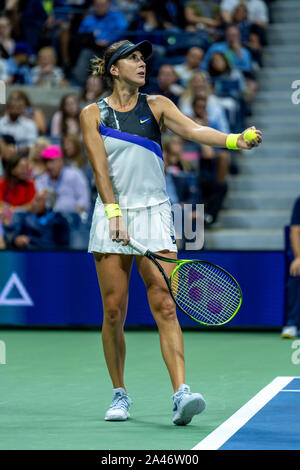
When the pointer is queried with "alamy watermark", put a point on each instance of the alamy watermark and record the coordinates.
(295, 358)
(296, 94)
(165, 222)
(2, 352)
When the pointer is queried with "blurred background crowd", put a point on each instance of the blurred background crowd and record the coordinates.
(207, 55)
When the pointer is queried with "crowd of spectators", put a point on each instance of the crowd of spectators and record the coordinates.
(207, 54)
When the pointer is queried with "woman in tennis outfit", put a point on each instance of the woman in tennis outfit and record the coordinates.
(123, 143)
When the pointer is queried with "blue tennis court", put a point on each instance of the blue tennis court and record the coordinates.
(269, 421)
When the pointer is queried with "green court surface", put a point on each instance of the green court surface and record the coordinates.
(55, 388)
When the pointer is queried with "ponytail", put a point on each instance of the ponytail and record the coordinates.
(99, 64)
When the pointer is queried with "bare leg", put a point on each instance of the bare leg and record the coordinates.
(164, 312)
(113, 273)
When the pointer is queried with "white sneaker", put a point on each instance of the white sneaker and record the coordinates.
(119, 409)
(186, 405)
(289, 332)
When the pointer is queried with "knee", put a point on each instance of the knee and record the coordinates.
(167, 310)
(113, 311)
(164, 306)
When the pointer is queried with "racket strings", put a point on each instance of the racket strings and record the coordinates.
(215, 317)
(205, 292)
(207, 303)
(200, 312)
(210, 281)
(213, 310)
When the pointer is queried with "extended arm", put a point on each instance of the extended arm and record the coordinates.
(182, 125)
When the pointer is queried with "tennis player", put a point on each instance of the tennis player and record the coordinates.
(123, 142)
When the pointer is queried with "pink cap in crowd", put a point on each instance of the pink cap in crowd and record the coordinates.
(53, 151)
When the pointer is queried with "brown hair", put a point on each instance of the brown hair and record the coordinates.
(19, 95)
(211, 69)
(78, 159)
(10, 165)
(64, 116)
(99, 64)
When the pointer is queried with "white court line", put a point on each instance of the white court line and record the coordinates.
(226, 430)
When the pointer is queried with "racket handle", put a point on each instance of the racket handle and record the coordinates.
(137, 246)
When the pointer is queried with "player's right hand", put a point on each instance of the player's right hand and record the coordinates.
(118, 230)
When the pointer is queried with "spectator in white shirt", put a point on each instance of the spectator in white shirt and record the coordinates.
(257, 11)
(46, 73)
(191, 64)
(22, 129)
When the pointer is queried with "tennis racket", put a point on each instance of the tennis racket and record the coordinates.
(205, 292)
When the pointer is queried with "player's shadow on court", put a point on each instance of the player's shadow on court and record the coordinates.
(167, 424)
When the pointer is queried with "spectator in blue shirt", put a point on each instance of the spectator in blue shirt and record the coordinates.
(238, 56)
(230, 83)
(41, 227)
(227, 81)
(250, 34)
(18, 69)
(103, 27)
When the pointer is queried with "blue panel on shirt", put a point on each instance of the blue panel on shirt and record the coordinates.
(134, 139)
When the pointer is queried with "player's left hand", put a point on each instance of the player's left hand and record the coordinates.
(247, 144)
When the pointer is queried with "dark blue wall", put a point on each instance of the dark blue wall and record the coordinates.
(61, 288)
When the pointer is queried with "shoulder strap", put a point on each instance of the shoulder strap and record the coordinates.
(143, 97)
(107, 114)
(102, 104)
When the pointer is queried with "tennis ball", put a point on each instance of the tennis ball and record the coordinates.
(249, 135)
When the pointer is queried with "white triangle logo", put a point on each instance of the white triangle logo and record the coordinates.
(23, 300)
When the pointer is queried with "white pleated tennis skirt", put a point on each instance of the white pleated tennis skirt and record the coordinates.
(151, 226)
